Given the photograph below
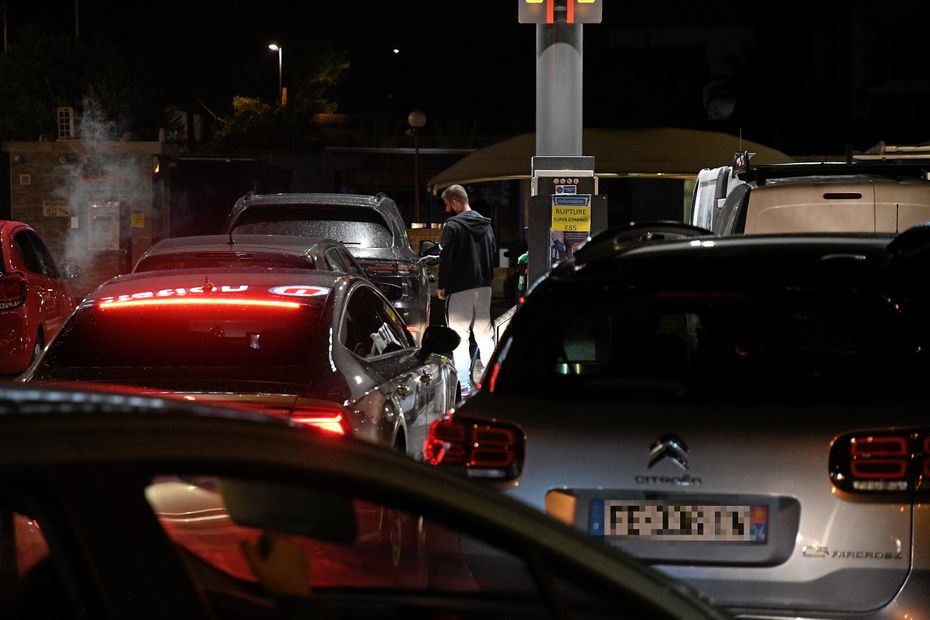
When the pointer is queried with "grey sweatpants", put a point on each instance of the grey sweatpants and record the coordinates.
(467, 312)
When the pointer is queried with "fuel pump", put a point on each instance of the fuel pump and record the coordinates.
(565, 210)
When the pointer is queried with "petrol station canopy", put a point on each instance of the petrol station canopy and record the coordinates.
(664, 152)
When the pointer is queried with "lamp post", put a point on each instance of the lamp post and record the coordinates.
(274, 47)
(416, 120)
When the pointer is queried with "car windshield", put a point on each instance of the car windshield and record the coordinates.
(353, 226)
(221, 260)
(709, 345)
(185, 346)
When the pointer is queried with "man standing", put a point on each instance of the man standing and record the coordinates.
(465, 273)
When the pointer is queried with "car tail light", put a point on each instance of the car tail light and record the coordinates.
(389, 268)
(328, 419)
(12, 291)
(483, 448)
(883, 464)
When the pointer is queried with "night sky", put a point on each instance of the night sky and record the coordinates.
(803, 77)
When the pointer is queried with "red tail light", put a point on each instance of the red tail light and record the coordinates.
(485, 449)
(12, 291)
(879, 458)
(330, 420)
(881, 463)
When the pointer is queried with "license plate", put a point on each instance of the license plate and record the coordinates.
(665, 521)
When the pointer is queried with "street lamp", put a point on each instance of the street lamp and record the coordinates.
(274, 47)
(416, 120)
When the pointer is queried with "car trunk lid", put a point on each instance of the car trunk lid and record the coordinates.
(813, 547)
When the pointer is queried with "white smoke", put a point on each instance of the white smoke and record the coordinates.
(102, 177)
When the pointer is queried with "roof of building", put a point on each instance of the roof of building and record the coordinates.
(675, 153)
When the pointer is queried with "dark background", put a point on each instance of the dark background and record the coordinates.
(803, 77)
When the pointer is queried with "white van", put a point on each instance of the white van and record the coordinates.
(798, 198)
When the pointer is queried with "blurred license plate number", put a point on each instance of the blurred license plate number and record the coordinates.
(650, 520)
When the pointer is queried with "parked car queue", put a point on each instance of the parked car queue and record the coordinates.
(744, 335)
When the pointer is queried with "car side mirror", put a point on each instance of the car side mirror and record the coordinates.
(429, 248)
(71, 271)
(439, 339)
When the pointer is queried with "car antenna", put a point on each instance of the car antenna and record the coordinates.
(207, 285)
(230, 242)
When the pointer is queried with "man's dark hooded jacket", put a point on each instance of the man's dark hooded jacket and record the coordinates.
(467, 258)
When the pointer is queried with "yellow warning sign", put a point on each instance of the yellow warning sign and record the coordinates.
(571, 219)
(137, 219)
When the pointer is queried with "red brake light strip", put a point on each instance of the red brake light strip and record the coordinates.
(199, 301)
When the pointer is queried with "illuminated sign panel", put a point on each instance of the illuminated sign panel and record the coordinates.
(560, 11)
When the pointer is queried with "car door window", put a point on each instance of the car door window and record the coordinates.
(320, 548)
(27, 252)
(334, 261)
(49, 266)
(371, 327)
(351, 265)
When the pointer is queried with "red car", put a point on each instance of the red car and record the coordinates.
(35, 298)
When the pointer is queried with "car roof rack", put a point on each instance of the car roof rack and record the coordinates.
(895, 169)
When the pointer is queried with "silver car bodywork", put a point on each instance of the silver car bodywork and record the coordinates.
(826, 553)
(389, 397)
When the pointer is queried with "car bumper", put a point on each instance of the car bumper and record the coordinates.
(912, 602)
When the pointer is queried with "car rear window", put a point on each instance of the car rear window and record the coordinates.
(185, 346)
(222, 260)
(353, 226)
(709, 345)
